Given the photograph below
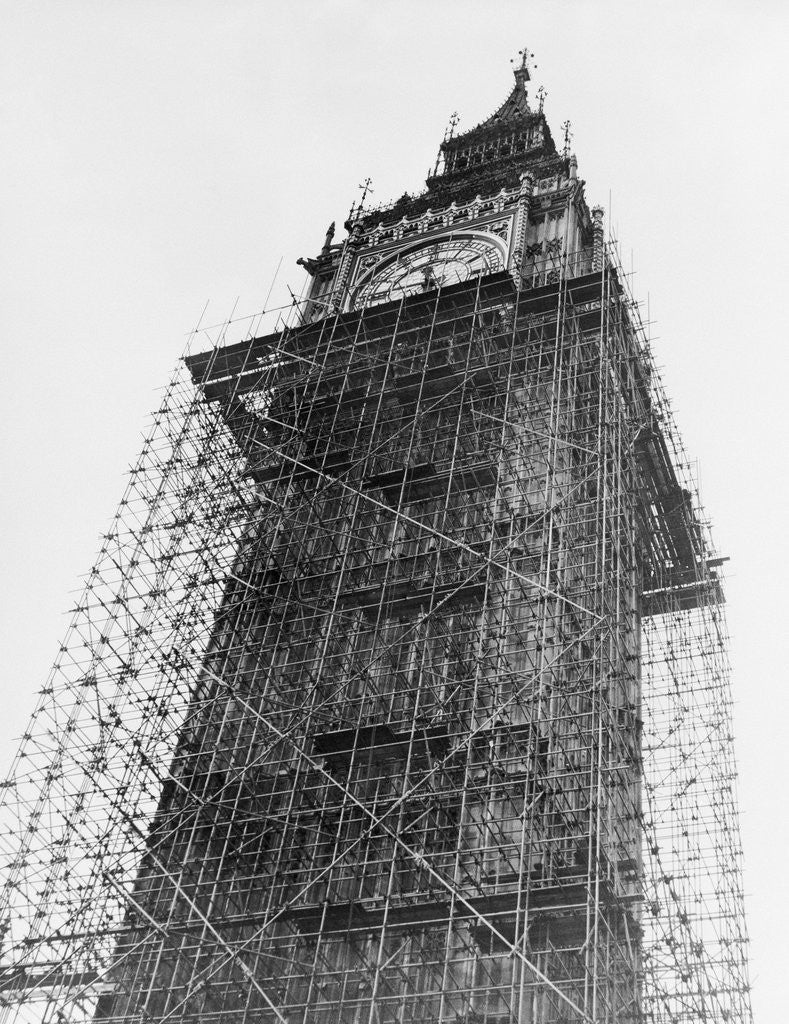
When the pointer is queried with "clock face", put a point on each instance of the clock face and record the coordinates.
(435, 265)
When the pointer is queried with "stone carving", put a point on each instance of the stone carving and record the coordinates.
(366, 262)
(500, 228)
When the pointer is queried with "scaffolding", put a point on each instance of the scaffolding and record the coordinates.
(398, 691)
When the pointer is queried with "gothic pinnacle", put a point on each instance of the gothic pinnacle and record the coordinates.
(329, 236)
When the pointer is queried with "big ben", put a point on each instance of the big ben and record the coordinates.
(414, 563)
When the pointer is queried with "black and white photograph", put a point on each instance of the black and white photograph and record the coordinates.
(394, 503)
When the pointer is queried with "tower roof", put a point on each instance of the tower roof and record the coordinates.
(487, 157)
(513, 111)
(513, 137)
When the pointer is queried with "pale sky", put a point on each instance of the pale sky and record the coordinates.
(156, 154)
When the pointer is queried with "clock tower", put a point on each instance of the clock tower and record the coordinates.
(398, 692)
(446, 583)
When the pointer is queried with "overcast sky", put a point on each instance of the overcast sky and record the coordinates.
(158, 155)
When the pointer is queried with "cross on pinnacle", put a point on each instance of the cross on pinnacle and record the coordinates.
(365, 187)
(522, 73)
(568, 135)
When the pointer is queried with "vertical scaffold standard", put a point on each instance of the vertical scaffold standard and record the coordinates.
(398, 692)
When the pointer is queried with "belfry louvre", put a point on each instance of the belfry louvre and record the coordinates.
(398, 692)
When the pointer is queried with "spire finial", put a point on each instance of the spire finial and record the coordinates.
(365, 187)
(454, 121)
(523, 70)
(449, 134)
(568, 137)
(355, 212)
(327, 244)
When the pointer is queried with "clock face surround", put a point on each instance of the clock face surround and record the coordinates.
(432, 265)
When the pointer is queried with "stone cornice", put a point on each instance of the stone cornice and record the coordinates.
(549, 191)
(462, 188)
(432, 221)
